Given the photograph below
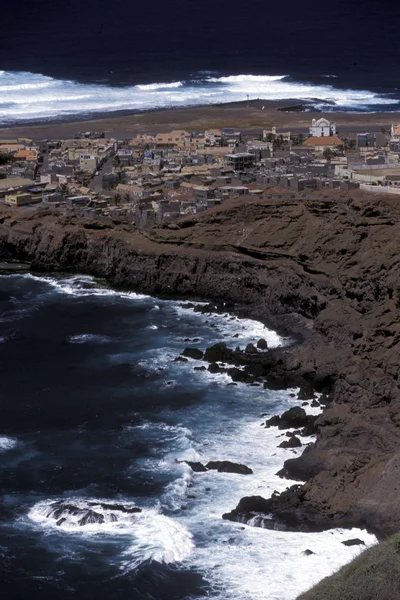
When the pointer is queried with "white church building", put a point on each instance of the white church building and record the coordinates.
(322, 128)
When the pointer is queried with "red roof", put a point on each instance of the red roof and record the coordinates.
(331, 140)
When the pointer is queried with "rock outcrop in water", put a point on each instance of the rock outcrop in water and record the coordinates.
(60, 512)
(325, 269)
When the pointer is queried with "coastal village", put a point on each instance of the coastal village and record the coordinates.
(153, 179)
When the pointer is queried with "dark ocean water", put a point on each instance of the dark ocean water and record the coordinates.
(344, 54)
(94, 413)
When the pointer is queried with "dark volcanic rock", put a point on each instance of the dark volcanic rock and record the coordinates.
(195, 353)
(214, 368)
(273, 421)
(225, 466)
(308, 552)
(294, 417)
(197, 467)
(238, 375)
(202, 368)
(218, 353)
(353, 542)
(251, 349)
(306, 391)
(292, 442)
(262, 344)
(91, 516)
(310, 428)
(288, 512)
(180, 359)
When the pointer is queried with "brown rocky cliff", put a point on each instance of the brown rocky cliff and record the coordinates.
(326, 267)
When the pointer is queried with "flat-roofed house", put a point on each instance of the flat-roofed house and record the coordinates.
(178, 137)
(21, 199)
(11, 148)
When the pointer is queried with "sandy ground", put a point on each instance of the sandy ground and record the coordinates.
(239, 115)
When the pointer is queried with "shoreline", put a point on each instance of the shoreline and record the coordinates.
(241, 115)
(318, 544)
(318, 296)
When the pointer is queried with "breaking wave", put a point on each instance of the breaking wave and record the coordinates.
(28, 96)
(84, 285)
(155, 537)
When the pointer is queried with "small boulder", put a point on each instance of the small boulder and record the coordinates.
(308, 552)
(180, 359)
(353, 542)
(251, 349)
(292, 442)
(214, 368)
(294, 417)
(202, 368)
(262, 344)
(194, 353)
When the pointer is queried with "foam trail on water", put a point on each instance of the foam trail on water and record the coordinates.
(87, 338)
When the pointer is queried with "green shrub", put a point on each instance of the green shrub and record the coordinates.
(373, 575)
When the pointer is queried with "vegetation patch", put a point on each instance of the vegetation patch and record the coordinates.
(373, 575)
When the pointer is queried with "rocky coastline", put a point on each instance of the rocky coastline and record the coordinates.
(324, 270)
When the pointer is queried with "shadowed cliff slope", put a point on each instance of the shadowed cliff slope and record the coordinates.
(326, 267)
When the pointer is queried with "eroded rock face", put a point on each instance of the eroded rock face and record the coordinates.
(324, 269)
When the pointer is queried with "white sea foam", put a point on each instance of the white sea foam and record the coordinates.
(237, 331)
(154, 536)
(7, 443)
(89, 338)
(243, 561)
(30, 96)
(160, 86)
(84, 285)
(258, 564)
